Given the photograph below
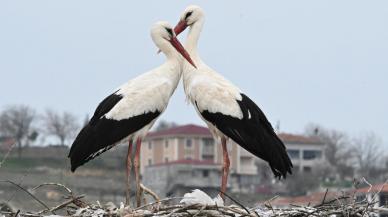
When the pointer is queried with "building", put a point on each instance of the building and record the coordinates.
(177, 147)
(376, 194)
(193, 142)
(305, 152)
(182, 176)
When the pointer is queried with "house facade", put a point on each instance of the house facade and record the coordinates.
(193, 142)
(186, 157)
(305, 152)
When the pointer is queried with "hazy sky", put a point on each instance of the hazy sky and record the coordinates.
(302, 61)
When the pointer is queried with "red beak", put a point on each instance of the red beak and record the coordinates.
(180, 27)
(179, 47)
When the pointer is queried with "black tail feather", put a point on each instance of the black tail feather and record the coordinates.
(255, 134)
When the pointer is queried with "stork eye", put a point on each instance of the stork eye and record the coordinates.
(188, 14)
(169, 30)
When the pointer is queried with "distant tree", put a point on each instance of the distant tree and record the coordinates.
(16, 122)
(338, 152)
(62, 126)
(300, 183)
(163, 125)
(264, 172)
(369, 155)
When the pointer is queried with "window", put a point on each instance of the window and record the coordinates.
(383, 199)
(208, 158)
(208, 149)
(312, 154)
(149, 145)
(207, 142)
(166, 144)
(150, 161)
(189, 143)
(294, 154)
(166, 160)
(307, 169)
(205, 173)
(189, 149)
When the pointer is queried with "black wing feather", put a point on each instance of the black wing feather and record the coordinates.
(255, 134)
(101, 134)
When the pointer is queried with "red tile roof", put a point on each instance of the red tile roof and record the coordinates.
(187, 161)
(192, 129)
(292, 138)
(189, 129)
(383, 187)
(316, 198)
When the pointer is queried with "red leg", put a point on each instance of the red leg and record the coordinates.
(136, 163)
(225, 167)
(129, 166)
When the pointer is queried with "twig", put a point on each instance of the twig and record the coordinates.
(20, 183)
(200, 211)
(7, 154)
(29, 193)
(62, 205)
(150, 192)
(53, 184)
(17, 213)
(235, 201)
(366, 182)
(161, 201)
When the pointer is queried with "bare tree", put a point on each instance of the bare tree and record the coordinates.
(62, 126)
(369, 154)
(16, 122)
(264, 172)
(338, 152)
(300, 183)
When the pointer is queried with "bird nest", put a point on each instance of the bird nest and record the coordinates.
(199, 204)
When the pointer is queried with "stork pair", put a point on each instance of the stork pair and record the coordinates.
(129, 112)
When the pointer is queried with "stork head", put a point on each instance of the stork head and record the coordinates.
(190, 15)
(164, 37)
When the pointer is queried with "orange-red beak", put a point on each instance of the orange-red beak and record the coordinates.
(179, 47)
(180, 27)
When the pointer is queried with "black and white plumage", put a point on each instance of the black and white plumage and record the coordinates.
(133, 108)
(253, 132)
(228, 112)
(103, 132)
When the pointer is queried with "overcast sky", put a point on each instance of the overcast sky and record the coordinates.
(306, 61)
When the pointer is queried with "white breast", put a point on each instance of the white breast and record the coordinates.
(211, 92)
(149, 92)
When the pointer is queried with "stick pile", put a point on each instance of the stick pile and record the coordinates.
(344, 206)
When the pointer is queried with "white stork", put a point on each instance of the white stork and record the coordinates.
(133, 108)
(227, 111)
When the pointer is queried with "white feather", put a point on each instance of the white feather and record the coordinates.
(199, 197)
(205, 88)
(149, 92)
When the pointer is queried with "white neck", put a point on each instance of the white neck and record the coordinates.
(193, 37)
(167, 48)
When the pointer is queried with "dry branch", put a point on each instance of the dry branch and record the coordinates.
(343, 206)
